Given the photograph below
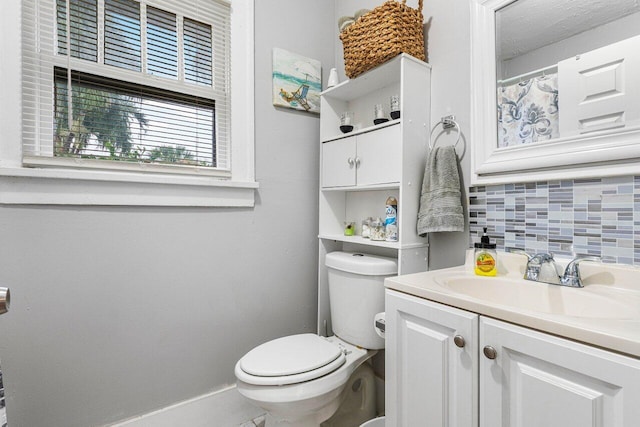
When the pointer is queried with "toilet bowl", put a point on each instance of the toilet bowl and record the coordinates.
(312, 401)
(301, 379)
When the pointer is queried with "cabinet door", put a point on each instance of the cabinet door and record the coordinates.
(379, 156)
(541, 380)
(430, 381)
(338, 163)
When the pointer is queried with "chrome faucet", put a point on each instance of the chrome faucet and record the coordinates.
(543, 268)
(571, 276)
(540, 267)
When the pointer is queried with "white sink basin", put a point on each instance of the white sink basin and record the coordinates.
(593, 301)
(605, 312)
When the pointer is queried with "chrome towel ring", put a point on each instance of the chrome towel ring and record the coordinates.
(447, 122)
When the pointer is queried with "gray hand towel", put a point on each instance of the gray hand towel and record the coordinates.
(440, 205)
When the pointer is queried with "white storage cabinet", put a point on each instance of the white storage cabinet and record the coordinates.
(360, 169)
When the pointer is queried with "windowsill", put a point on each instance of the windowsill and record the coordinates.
(36, 186)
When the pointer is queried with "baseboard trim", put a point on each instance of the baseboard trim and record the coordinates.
(224, 407)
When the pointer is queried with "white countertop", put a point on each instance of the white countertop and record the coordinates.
(611, 321)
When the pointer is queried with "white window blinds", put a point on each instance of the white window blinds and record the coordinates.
(83, 23)
(162, 43)
(134, 82)
(122, 33)
(197, 52)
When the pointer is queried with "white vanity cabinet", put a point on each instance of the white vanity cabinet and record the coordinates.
(359, 170)
(505, 375)
(537, 379)
(431, 363)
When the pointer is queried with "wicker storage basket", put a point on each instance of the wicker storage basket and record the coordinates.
(381, 34)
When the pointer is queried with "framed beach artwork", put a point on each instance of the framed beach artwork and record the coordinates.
(297, 81)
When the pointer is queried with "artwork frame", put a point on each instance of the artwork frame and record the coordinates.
(297, 81)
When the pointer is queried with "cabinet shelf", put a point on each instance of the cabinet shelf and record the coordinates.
(359, 240)
(381, 76)
(372, 128)
(372, 187)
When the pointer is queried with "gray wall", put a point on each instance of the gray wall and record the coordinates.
(449, 53)
(120, 311)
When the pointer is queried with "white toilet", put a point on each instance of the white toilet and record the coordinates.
(301, 380)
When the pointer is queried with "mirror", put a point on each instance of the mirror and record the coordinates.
(555, 89)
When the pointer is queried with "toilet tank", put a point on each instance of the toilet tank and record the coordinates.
(356, 294)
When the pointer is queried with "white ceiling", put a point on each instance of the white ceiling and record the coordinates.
(526, 25)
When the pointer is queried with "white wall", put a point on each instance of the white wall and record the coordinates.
(117, 311)
(448, 51)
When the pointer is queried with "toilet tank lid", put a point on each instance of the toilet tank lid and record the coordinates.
(364, 264)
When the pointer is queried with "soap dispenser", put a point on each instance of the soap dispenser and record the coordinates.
(486, 257)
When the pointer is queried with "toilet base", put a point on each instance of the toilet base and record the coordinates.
(303, 418)
(356, 404)
(358, 400)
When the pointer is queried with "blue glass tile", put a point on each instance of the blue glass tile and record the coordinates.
(588, 216)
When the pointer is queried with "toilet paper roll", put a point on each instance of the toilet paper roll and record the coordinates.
(379, 324)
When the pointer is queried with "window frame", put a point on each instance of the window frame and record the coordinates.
(62, 181)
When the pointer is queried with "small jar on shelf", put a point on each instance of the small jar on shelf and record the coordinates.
(366, 228)
(349, 228)
(377, 230)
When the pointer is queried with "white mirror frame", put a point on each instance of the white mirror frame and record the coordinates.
(597, 154)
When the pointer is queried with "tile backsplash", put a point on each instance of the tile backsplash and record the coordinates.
(599, 216)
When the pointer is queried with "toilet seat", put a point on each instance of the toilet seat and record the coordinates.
(290, 360)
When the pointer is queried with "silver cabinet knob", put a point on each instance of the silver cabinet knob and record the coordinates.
(5, 299)
(351, 161)
(357, 162)
(459, 341)
(490, 352)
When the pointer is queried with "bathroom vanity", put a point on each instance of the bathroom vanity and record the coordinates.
(464, 350)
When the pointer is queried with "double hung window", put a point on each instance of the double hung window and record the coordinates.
(135, 85)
